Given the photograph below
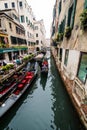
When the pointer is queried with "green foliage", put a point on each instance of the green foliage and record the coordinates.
(68, 31)
(4, 68)
(2, 45)
(11, 66)
(60, 36)
(83, 19)
(20, 47)
(7, 67)
(28, 57)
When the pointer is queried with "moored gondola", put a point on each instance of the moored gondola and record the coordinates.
(21, 86)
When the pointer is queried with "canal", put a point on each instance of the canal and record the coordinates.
(45, 106)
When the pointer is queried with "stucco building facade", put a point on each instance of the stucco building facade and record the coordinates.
(19, 23)
(69, 47)
(25, 16)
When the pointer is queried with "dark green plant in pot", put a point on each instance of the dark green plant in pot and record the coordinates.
(60, 37)
(68, 32)
(5, 69)
(83, 19)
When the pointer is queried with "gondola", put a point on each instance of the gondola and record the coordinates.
(44, 67)
(22, 85)
(43, 63)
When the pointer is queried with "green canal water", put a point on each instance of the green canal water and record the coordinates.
(45, 106)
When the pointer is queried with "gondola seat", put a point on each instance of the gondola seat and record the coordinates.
(20, 86)
(24, 81)
(29, 77)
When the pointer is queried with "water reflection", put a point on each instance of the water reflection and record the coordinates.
(43, 80)
(64, 114)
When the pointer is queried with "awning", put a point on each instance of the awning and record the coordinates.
(4, 50)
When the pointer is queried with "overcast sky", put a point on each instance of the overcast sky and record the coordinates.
(43, 9)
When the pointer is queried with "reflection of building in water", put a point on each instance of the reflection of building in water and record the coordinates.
(32, 65)
(63, 115)
(43, 80)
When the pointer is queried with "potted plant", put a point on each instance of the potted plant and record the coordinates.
(60, 37)
(68, 32)
(54, 42)
(5, 69)
(11, 66)
(83, 19)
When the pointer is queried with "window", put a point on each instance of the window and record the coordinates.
(0, 22)
(36, 27)
(13, 40)
(73, 13)
(28, 34)
(18, 31)
(20, 4)
(29, 43)
(85, 4)
(59, 7)
(37, 42)
(61, 27)
(66, 57)
(82, 70)
(22, 19)
(6, 5)
(26, 19)
(13, 5)
(10, 26)
(69, 15)
(36, 34)
(60, 54)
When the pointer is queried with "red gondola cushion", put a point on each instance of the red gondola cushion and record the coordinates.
(24, 81)
(28, 73)
(29, 77)
(20, 85)
(17, 92)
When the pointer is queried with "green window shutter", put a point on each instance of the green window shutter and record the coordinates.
(26, 19)
(69, 15)
(85, 4)
(73, 13)
(59, 7)
(62, 26)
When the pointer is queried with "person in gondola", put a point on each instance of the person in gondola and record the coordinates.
(4, 63)
(45, 65)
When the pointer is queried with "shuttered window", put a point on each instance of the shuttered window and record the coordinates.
(62, 26)
(69, 15)
(85, 4)
(59, 7)
(66, 57)
(73, 13)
